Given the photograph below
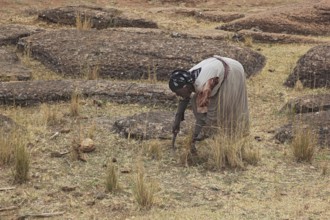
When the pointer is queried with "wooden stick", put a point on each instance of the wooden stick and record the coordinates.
(7, 188)
(8, 208)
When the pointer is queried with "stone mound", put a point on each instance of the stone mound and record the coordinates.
(319, 122)
(312, 69)
(11, 33)
(11, 67)
(129, 54)
(39, 91)
(99, 18)
(7, 124)
(309, 103)
(264, 37)
(151, 125)
(210, 15)
(307, 18)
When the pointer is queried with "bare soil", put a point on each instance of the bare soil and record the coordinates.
(129, 118)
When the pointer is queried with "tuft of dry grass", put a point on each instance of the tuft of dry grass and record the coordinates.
(93, 73)
(22, 163)
(50, 114)
(7, 144)
(186, 143)
(74, 107)
(303, 144)
(83, 23)
(298, 86)
(325, 169)
(153, 149)
(143, 192)
(248, 41)
(231, 151)
(111, 182)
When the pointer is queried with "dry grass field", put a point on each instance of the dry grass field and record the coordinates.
(130, 179)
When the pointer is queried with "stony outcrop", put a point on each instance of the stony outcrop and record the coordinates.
(312, 69)
(307, 18)
(36, 92)
(129, 53)
(11, 66)
(96, 17)
(151, 125)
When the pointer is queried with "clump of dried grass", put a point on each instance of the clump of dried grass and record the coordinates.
(143, 191)
(83, 23)
(111, 182)
(50, 114)
(74, 107)
(153, 149)
(7, 144)
(93, 73)
(185, 151)
(22, 163)
(303, 144)
(232, 151)
(248, 41)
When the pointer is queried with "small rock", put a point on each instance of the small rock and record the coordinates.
(87, 145)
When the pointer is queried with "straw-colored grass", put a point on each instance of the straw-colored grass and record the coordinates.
(22, 163)
(83, 22)
(303, 144)
(7, 144)
(74, 107)
(111, 182)
(143, 190)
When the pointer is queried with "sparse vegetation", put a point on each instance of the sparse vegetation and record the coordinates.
(22, 163)
(83, 22)
(111, 183)
(189, 189)
(303, 144)
(7, 146)
(153, 149)
(74, 107)
(143, 191)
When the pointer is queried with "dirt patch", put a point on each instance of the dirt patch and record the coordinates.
(151, 125)
(310, 103)
(36, 92)
(307, 18)
(11, 33)
(312, 69)
(131, 54)
(98, 18)
(319, 122)
(264, 37)
(12, 68)
(210, 15)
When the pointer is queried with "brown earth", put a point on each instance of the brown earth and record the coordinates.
(312, 69)
(276, 187)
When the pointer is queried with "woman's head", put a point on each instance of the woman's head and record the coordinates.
(181, 82)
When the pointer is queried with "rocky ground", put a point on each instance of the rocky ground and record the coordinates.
(115, 56)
